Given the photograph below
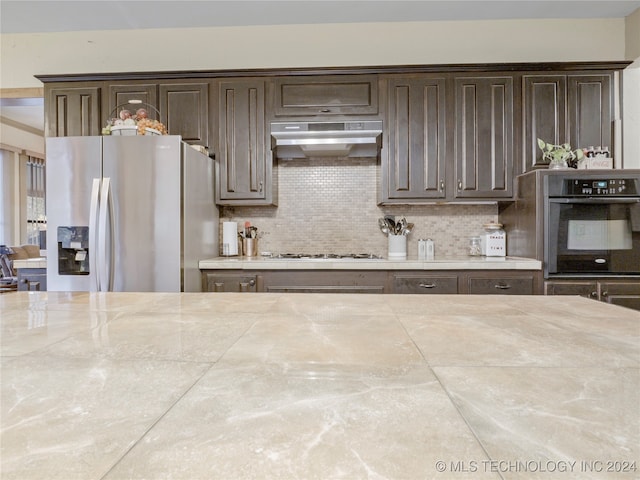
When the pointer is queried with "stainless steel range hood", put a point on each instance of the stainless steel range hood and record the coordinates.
(292, 140)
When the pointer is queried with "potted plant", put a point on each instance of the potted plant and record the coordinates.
(560, 156)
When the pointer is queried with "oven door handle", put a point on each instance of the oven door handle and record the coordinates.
(597, 200)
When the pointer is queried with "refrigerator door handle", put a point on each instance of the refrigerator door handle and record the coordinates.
(94, 284)
(106, 229)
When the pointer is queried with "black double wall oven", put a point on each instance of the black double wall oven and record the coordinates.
(592, 224)
(584, 226)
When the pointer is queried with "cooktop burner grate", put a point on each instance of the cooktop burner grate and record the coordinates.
(327, 256)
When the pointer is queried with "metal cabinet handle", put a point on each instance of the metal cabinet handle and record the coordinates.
(459, 184)
(325, 110)
(441, 185)
(427, 285)
(244, 286)
(605, 294)
(260, 186)
(218, 287)
(593, 294)
(502, 286)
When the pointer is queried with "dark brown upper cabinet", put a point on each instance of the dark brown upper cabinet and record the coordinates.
(484, 149)
(120, 95)
(184, 110)
(73, 111)
(244, 163)
(413, 167)
(325, 95)
(575, 108)
(545, 100)
(589, 101)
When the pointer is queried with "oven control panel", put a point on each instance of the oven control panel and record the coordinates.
(610, 187)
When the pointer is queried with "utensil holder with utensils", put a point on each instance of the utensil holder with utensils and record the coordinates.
(250, 247)
(397, 247)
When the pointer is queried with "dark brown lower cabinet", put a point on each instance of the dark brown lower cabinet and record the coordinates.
(229, 282)
(324, 281)
(375, 281)
(501, 285)
(625, 293)
(424, 283)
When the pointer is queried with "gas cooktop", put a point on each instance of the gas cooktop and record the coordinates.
(323, 256)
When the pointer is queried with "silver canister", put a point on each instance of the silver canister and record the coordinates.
(430, 249)
(422, 249)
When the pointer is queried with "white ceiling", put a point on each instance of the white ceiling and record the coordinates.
(26, 16)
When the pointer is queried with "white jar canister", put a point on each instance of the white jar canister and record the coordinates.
(397, 247)
(494, 240)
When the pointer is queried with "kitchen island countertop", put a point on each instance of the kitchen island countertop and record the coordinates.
(444, 263)
(232, 386)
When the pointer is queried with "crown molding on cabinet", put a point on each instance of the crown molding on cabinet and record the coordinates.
(389, 69)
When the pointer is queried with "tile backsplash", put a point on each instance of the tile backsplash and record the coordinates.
(329, 205)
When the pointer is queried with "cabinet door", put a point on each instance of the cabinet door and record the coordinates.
(184, 111)
(326, 95)
(414, 159)
(119, 96)
(589, 110)
(484, 139)
(511, 285)
(544, 98)
(73, 111)
(244, 161)
(585, 288)
(425, 284)
(625, 294)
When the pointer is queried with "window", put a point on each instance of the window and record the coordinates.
(36, 218)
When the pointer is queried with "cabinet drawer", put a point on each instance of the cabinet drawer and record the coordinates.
(425, 284)
(326, 95)
(501, 285)
(32, 279)
(585, 288)
(229, 282)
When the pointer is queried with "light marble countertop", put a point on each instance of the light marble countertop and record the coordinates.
(447, 263)
(40, 262)
(317, 386)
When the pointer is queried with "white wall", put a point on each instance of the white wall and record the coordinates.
(21, 139)
(26, 55)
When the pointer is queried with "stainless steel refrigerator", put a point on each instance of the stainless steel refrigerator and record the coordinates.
(128, 214)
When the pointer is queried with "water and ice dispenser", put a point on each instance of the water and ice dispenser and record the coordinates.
(73, 250)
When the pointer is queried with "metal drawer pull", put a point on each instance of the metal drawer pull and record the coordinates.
(593, 294)
(427, 285)
(218, 287)
(502, 287)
